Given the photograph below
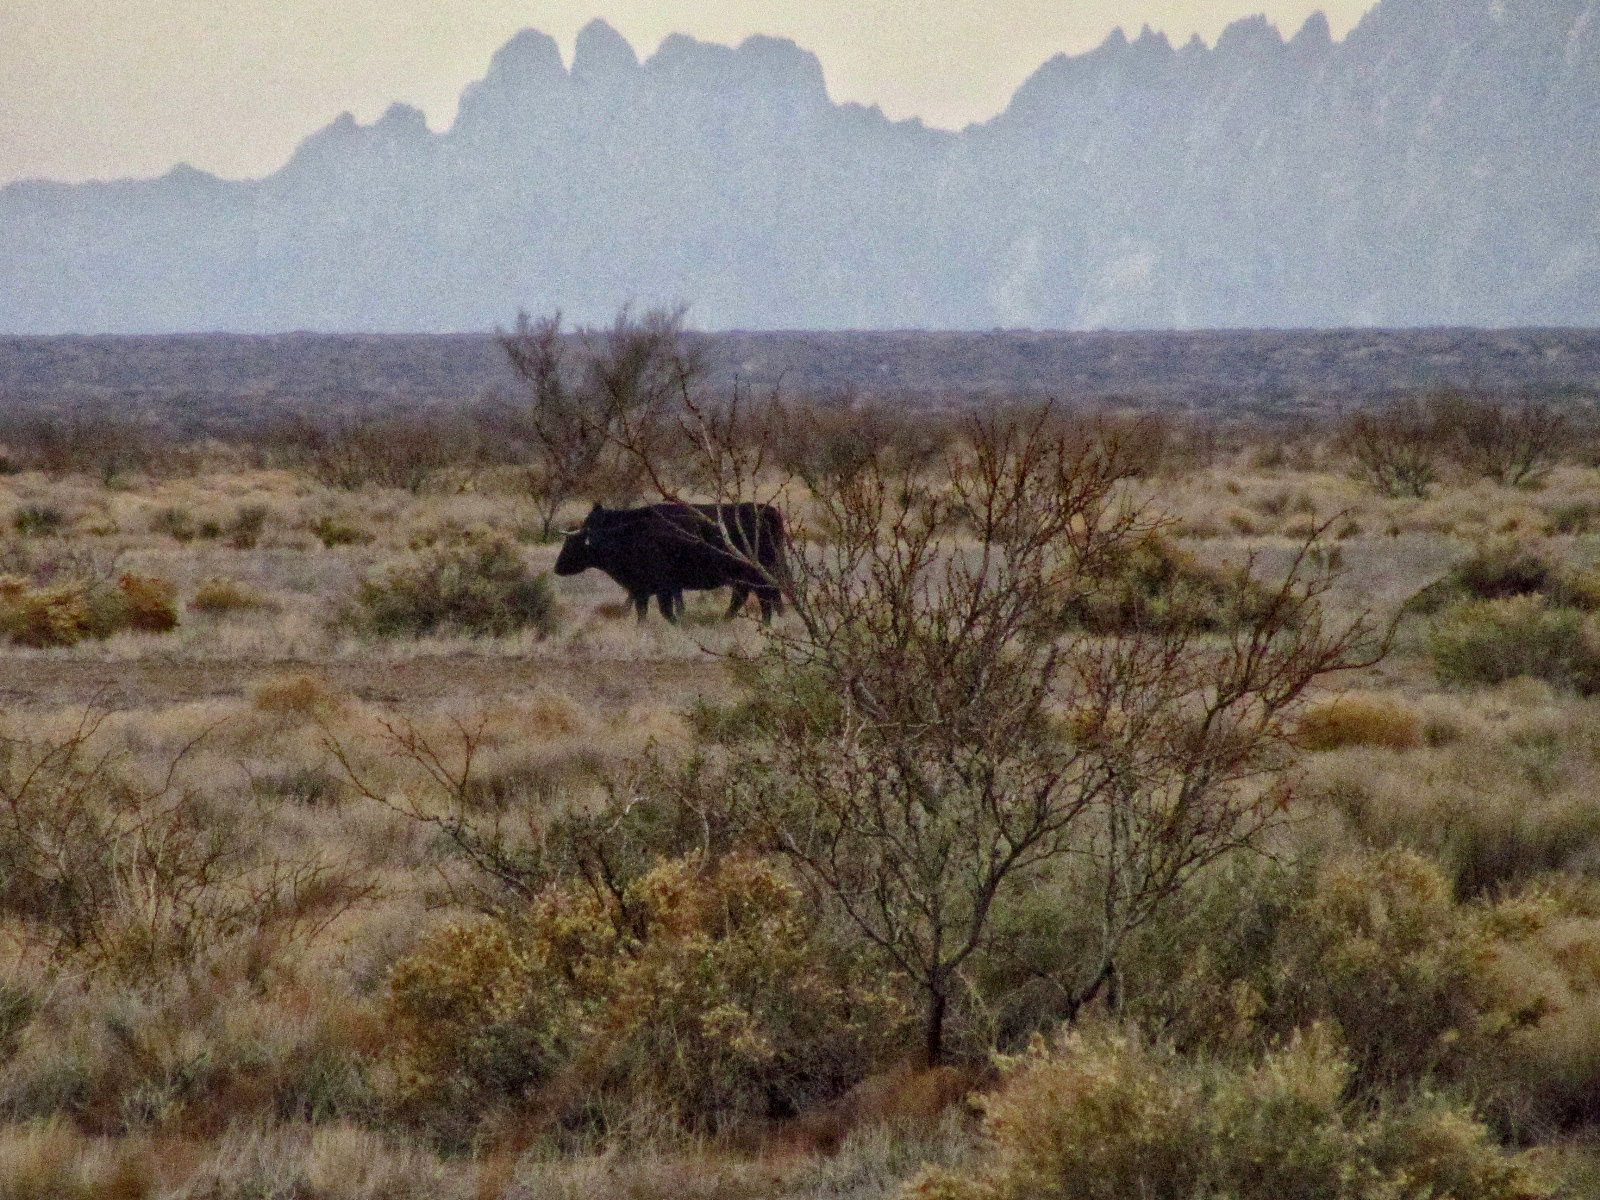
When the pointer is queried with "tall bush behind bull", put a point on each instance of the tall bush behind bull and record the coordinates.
(585, 398)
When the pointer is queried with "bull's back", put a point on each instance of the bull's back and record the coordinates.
(757, 529)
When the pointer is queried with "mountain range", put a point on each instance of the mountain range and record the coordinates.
(1438, 166)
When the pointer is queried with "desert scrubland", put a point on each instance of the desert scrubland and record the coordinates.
(1123, 807)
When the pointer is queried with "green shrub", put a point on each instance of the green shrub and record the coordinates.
(698, 988)
(1577, 516)
(245, 529)
(17, 1009)
(38, 520)
(479, 586)
(1491, 641)
(1106, 1118)
(1160, 586)
(333, 531)
(1503, 569)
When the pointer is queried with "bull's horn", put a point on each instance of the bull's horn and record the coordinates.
(569, 532)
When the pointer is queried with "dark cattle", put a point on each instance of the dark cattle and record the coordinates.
(664, 550)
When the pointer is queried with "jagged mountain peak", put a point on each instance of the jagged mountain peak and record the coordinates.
(1115, 40)
(1316, 34)
(770, 65)
(529, 59)
(602, 55)
(1250, 36)
(1151, 41)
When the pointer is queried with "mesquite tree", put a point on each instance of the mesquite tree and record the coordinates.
(930, 732)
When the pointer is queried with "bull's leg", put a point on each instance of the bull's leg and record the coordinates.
(641, 604)
(741, 593)
(671, 605)
(769, 599)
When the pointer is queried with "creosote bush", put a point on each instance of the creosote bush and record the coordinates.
(1156, 585)
(701, 986)
(1097, 1117)
(1424, 990)
(1506, 568)
(479, 586)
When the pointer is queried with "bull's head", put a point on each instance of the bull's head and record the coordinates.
(577, 552)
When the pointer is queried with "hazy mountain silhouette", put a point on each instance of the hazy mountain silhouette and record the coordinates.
(1441, 165)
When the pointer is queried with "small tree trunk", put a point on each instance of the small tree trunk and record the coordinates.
(934, 1034)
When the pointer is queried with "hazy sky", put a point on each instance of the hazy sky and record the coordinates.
(106, 88)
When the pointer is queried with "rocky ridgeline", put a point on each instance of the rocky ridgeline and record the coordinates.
(1440, 166)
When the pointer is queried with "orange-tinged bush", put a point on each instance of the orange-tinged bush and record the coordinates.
(56, 616)
(1359, 721)
(220, 597)
(150, 605)
(300, 697)
(64, 614)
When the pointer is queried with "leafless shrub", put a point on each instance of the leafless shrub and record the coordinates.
(1396, 450)
(96, 444)
(406, 452)
(136, 878)
(1511, 442)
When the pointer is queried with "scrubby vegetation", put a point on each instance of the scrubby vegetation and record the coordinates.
(479, 587)
(63, 614)
(1121, 808)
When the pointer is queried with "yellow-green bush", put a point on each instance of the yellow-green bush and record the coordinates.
(699, 988)
(1107, 1118)
(1359, 721)
(1493, 997)
(1376, 946)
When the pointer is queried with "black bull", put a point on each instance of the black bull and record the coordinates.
(664, 550)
